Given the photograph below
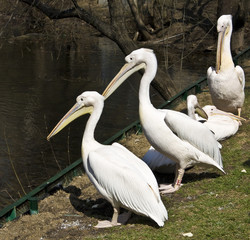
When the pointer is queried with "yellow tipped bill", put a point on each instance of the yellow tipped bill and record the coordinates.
(76, 111)
(231, 115)
(219, 50)
(127, 70)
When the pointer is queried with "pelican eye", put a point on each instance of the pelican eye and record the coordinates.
(80, 99)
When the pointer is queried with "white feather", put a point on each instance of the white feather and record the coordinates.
(121, 177)
(222, 124)
(192, 144)
(227, 84)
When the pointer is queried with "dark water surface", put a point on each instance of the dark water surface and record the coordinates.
(39, 83)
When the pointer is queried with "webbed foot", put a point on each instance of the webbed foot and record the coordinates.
(168, 188)
(106, 224)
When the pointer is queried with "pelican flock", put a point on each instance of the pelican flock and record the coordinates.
(120, 177)
(222, 124)
(177, 141)
(174, 134)
(226, 82)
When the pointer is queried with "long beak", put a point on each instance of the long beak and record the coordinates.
(231, 115)
(127, 70)
(201, 112)
(219, 49)
(76, 111)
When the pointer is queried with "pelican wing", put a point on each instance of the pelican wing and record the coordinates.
(141, 165)
(222, 128)
(241, 76)
(159, 162)
(195, 133)
(123, 184)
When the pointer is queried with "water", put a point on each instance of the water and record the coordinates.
(39, 84)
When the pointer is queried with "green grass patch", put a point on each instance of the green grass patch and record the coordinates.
(209, 205)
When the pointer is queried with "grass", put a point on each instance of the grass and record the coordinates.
(210, 206)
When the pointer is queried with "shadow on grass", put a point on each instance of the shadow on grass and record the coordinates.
(188, 177)
(100, 208)
(247, 163)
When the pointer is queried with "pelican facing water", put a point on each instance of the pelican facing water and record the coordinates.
(222, 124)
(226, 82)
(121, 178)
(171, 133)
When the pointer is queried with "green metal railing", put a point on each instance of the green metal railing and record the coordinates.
(29, 203)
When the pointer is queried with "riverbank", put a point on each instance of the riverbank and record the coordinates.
(208, 205)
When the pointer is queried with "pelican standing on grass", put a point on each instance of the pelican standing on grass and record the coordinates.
(226, 82)
(120, 177)
(171, 133)
(222, 124)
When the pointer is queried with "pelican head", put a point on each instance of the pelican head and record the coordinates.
(136, 60)
(212, 111)
(194, 107)
(84, 104)
(224, 23)
(224, 29)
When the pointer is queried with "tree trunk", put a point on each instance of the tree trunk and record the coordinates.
(163, 82)
(140, 24)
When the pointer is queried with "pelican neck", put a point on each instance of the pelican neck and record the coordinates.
(92, 122)
(226, 56)
(147, 78)
(191, 112)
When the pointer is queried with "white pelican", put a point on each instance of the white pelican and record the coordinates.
(226, 82)
(222, 124)
(120, 177)
(171, 133)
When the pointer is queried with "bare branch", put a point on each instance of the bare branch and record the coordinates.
(74, 12)
(140, 24)
(51, 12)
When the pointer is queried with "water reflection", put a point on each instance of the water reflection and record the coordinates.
(39, 83)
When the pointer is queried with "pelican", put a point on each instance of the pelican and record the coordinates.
(171, 133)
(120, 177)
(226, 82)
(222, 124)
